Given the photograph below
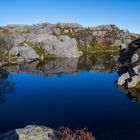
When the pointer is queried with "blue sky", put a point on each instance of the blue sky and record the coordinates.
(123, 13)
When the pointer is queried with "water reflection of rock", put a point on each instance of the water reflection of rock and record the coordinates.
(100, 63)
(6, 85)
(47, 69)
(103, 64)
(132, 94)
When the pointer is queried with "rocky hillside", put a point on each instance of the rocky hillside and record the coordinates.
(61, 40)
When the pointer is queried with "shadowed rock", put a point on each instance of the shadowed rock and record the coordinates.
(130, 54)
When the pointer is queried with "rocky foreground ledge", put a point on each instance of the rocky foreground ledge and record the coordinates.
(33, 132)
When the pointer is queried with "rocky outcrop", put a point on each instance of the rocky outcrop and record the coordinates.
(113, 35)
(27, 53)
(130, 78)
(129, 71)
(63, 47)
(131, 54)
(29, 133)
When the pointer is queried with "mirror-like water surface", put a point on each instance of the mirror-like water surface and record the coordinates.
(70, 92)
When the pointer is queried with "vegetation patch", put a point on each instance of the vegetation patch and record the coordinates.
(65, 133)
(97, 46)
(5, 31)
(30, 44)
(40, 51)
(44, 54)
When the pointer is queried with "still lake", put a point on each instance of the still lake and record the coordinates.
(76, 93)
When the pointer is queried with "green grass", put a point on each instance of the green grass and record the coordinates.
(43, 53)
(30, 44)
(99, 49)
(40, 51)
(51, 57)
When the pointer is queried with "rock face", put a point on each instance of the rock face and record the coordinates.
(29, 133)
(63, 47)
(27, 53)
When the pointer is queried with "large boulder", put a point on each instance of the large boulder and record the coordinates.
(63, 46)
(130, 78)
(135, 58)
(122, 79)
(27, 53)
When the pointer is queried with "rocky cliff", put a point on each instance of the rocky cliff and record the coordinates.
(63, 40)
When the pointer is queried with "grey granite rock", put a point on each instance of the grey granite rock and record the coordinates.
(130, 78)
(27, 53)
(135, 58)
(30, 132)
(122, 79)
(63, 46)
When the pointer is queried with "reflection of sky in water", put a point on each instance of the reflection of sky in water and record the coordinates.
(86, 99)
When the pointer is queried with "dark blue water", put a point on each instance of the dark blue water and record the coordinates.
(79, 100)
